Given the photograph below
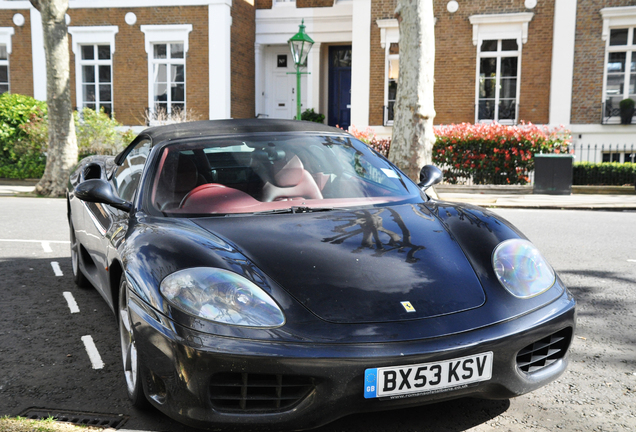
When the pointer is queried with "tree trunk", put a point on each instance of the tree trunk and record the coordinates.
(413, 137)
(62, 149)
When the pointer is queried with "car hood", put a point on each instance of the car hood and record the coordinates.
(359, 265)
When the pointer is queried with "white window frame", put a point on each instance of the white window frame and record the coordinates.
(389, 33)
(498, 55)
(284, 3)
(165, 34)
(92, 35)
(499, 27)
(618, 18)
(5, 39)
(6, 63)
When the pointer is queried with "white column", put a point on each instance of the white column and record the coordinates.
(258, 80)
(219, 38)
(38, 56)
(313, 79)
(562, 62)
(361, 62)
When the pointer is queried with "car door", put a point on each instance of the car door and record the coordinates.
(110, 224)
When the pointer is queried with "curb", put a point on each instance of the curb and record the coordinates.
(528, 190)
(18, 182)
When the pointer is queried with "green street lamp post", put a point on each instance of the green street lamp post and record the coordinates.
(300, 44)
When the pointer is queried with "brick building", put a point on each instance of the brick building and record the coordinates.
(542, 61)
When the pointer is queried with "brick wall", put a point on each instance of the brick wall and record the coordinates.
(20, 60)
(264, 4)
(130, 61)
(456, 60)
(589, 60)
(243, 38)
(314, 3)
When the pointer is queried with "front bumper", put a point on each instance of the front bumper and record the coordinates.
(184, 370)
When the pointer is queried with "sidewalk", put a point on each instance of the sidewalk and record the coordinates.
(572, 202)
(489, 196)
(583, 198)
(11, 187)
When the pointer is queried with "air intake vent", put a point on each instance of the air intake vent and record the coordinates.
(244, 392)
(544, 352)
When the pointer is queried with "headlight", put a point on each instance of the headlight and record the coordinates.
(221, 296)
(521, 269)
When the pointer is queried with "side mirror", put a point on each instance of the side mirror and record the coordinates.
(429, 176)
(100, 191)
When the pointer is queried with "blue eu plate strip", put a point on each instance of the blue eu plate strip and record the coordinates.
(370, 383)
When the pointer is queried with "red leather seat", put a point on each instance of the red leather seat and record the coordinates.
(290, 180)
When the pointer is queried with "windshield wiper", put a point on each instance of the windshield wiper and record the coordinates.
(298, 209)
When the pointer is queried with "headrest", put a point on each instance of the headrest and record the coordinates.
(268, 154)
(187, 174)
(290, 174)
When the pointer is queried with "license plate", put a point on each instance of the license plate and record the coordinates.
(425, 378)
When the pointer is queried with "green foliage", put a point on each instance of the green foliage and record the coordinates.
(16, 110)
(494, 153)
(310, 115)
(96, 133)
(16, 159)
(626, 104)
(605, 174)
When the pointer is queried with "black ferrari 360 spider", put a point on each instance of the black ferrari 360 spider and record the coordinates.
(282, 274)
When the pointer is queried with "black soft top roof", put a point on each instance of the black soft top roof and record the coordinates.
(224, 127)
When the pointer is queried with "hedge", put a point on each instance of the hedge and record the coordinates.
(493, 153)
(24, 135)
(605, 174)
(18, 160)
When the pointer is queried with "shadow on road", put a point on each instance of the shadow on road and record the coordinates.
(451, 416)
(44, 364)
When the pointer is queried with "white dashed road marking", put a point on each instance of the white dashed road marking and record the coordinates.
(56, 268)
(72, 304)
(47, 247)
(93, 354)
(630, 260)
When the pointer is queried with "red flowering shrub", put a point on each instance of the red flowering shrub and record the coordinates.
(493, 153)
(368, 136)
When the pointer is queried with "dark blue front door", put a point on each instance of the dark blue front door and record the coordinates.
(339, 86)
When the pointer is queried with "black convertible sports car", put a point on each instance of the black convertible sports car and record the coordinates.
(281, 274)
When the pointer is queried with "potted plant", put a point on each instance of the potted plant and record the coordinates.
(627, 110)
(311, 115)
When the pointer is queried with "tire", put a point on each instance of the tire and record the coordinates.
(76, 257)
(130, 360)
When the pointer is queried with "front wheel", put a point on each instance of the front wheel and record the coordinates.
(78, 277)
(132, 367)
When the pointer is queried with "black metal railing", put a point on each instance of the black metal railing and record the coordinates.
(610, 113)
(597, 153)
(507, 115)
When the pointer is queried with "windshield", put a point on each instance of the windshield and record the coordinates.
(261, 173)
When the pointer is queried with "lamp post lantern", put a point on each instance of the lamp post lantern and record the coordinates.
(300, 44)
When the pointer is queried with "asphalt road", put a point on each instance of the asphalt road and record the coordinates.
(44, 361)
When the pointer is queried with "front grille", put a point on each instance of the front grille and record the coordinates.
(544, 352)
(257, 392)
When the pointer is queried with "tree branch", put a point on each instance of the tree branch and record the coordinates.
(37, 4)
